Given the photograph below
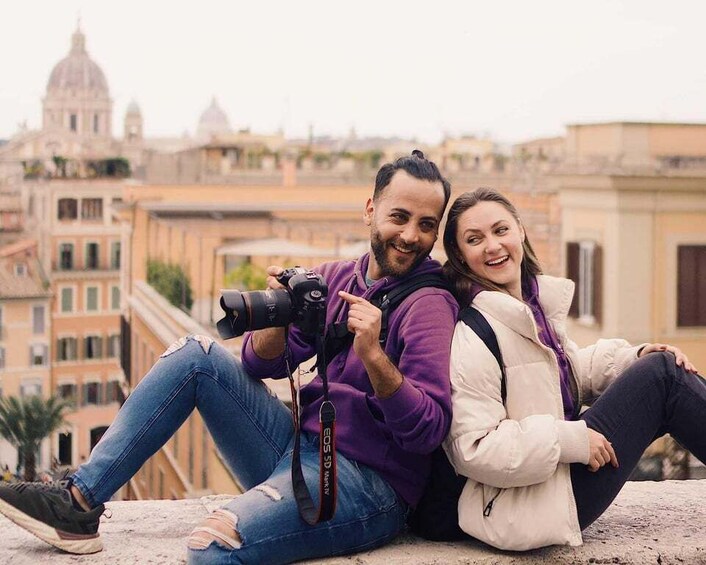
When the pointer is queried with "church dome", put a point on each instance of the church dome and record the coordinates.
(213, 121)
(76, 71)
(133, 109)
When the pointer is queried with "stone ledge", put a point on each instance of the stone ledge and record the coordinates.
(662, 523)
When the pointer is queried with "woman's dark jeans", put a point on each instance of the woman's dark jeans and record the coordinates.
(651, 398)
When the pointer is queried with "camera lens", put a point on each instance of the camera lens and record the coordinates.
(268, 308)
(253, 310)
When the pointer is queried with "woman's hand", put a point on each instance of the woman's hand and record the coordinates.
(681, 359)
(600, 451)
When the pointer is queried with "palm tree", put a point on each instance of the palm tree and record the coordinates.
(25, 422)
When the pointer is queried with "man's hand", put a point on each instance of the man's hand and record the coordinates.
(269, 343)
(273, 271)
(364, 322)
(600, 451)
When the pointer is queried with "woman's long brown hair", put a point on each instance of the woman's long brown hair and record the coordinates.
(455, 269)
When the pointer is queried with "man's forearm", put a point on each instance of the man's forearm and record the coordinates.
(268, 343)
(385, 378)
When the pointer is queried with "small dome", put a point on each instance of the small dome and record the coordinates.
(77, 71)
(213, 121)
(133, 109)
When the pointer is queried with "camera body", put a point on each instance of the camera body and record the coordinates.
(301, 302)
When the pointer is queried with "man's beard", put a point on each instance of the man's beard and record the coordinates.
(387, 266)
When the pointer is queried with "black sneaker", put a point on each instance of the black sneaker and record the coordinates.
(46, 510)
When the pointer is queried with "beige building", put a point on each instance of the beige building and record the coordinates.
(80, 250)
(25, 334)
(637, 246)
(632, 211)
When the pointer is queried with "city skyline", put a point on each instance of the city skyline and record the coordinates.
(509, 71)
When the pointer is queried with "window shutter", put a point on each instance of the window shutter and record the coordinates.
(687, 281)
(84, 394)
(572, 272)
(701, 288)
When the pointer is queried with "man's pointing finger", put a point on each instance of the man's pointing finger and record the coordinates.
(351, 299)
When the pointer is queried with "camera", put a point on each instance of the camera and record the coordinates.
(301, 302)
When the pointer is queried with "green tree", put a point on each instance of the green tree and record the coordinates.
(246, 276)
(25, 422)
(60, 164)
(171, 282)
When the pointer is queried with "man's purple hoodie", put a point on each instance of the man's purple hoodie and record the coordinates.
(394, 435)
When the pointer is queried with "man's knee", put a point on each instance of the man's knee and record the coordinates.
(219, 528)
(204, 341)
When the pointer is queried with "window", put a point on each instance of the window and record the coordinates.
(92, 255)
(2, 357)
(115, 255)
(584, 267)
(92, 208)
(97, 434)
(20, 269)
(66, 348)
(73, 122)
(68, 208)
(113, 392)
(113, 345)
(67, 391)
(2, 332)
(66, 256)
(67, 299)
(92, 299)
(95, 123)
(31, 388)
(115, 298)
(65, 448)
(691, 286)
(92, 393)
(38, 320)
(38, 355)
(92, 347)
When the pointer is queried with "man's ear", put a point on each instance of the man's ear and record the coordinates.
(368, 214)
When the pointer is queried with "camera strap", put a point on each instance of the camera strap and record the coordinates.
(327, 445)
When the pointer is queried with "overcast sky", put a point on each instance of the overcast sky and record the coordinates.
(509, 69)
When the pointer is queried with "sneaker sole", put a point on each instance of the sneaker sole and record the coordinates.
(71, 543)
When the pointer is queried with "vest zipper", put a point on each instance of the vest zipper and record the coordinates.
(489, 507)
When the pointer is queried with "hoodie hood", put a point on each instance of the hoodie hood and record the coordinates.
(427, 266)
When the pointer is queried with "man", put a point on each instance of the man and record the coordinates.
(392, 404)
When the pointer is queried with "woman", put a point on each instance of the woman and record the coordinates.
(538, 472)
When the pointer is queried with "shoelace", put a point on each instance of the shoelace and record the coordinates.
(61, 484)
